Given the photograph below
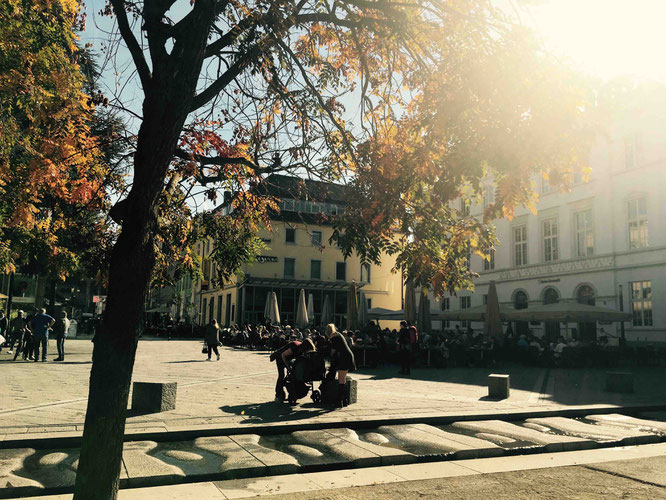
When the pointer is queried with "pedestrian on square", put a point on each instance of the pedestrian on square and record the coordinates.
(17, 327)
(40, 328)
(404, 343)
(60, 329)
(212, 338)
(342, 361)
(4, 330)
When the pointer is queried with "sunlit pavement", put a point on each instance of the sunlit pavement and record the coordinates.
(239, 390)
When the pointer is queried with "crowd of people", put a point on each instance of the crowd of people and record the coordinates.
(26, 336)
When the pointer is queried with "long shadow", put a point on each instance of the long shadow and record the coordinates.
(257, 413)
(189, 361)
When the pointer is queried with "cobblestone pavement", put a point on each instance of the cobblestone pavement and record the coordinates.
(239, 389)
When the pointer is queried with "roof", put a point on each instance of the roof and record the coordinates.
(297, 188)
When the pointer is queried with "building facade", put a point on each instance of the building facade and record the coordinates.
(603, 243)
(298, 256)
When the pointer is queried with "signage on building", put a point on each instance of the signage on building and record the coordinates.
(99, 298)
(266, 258)
(549, 280)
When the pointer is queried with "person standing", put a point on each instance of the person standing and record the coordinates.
(40, 328)
(4, 330)
(18, 329)
(342, 361)
(212, 338)
(60, 329)
(404, 343)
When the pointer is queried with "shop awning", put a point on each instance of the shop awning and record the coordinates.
(387, 314)
(477, 313)
(295, 283)
(568, 312)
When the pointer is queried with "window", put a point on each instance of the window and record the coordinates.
(485, 299)
(520, 245)
(316, 238)
(632, 150)
(315, 269)
(468, 258)
(550, 249)
(445, 305)
(488, 196)
(638, 223)
(369, 303)
(289, 267)
(641, 303)
(546, 187)
(365, 273)
(464, 206)
(341, 271)
(489, 262)
(584, 238)
(290, 235)
(465, 303)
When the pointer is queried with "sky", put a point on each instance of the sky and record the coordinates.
(605, 38)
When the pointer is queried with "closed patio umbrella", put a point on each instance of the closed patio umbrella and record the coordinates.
(410, 302)
(363, 311)
(493, 322)
(267, 307)
(326, 312)
(274, 313)
(302, 311)
(352, 307)
(423, 320)
(311, 313)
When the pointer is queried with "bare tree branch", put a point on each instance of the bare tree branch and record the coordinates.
(132, 44)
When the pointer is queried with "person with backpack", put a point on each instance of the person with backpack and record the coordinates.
(60, 329)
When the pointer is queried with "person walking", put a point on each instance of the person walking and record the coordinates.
(405, 347)
(342, 361)
(60, 329)
(212, 338)
(40, 328)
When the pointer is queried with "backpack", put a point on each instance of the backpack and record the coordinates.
(413, 337)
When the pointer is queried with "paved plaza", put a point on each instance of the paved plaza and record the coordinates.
(239, 389)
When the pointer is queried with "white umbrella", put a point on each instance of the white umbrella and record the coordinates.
(275, 310)
(311, 313)
(326, 313)
(302, 311)
(363, 311)
(410, 302)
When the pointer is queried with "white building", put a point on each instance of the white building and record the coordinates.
(604, 239)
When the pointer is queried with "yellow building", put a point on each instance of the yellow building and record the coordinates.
(298, 256)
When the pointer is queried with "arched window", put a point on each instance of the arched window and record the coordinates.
(551, 296)
(520, 301)
(552, 328)
(587, 331)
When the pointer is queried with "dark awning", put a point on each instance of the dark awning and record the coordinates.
(296, 283)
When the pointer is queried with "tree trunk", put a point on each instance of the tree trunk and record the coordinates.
(114, 352)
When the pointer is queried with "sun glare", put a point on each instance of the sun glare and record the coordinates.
(606, 38)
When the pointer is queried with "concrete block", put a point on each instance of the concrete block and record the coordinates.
(498, 386)
(154, 397)
(352, 390)
(619, 382)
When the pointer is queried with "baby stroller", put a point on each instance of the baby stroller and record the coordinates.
(305, 370)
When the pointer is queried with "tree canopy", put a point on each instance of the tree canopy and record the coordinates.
(55, 150)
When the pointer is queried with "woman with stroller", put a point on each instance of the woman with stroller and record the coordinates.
(342, 361)
(283, 357)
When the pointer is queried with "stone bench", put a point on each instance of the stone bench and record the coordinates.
(352, 390)
(498, 386)
(154, 397)
(619, 382)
